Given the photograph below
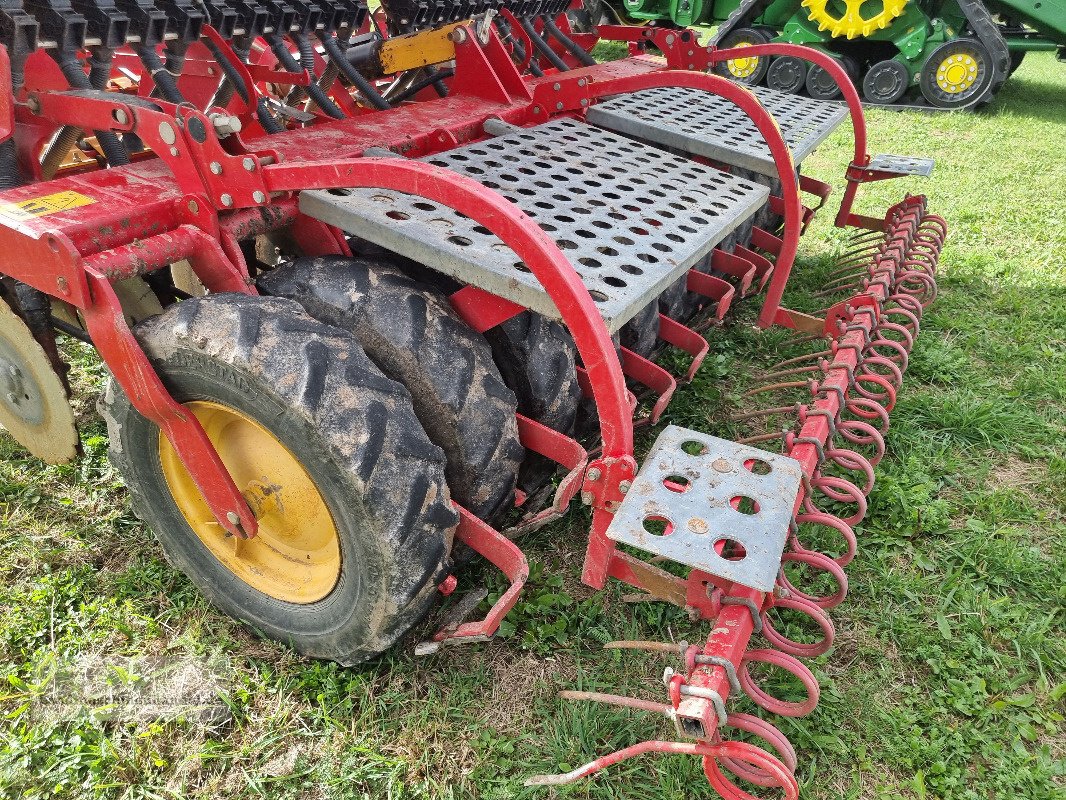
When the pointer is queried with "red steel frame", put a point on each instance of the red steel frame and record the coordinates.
(154, 213)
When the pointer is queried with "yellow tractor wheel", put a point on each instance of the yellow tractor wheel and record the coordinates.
(750, 71)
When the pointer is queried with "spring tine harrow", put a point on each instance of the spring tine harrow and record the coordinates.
(528, 210)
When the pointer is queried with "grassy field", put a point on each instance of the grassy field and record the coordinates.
(949, 674)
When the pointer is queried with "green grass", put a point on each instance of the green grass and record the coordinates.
(949, 673)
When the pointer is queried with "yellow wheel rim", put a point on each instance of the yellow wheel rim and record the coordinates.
(295, 557)
(852, 23)
(957, 73)
(742, 67)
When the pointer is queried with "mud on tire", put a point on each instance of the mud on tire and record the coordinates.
(352, 430)
(410, 331)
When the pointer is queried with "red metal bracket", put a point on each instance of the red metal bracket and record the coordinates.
(686, 339)
(502, 553)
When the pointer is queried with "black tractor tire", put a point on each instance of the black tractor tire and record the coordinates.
(537, 360)
(641, 334)
(352, 429)
(821, 85)
(414, 336)
(1016, 59)
(732, 39)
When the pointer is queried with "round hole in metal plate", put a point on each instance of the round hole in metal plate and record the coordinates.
(658, 525)
(757, 466)
(744, 504)
(597, 295)
(518, 265)
(394, 214)
(462, 241)
(590, 262)
(677, 483)
(618, 283)
(693, 447)
(632, 270)
(731, 549)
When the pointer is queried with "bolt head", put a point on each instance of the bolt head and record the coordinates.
(249, 163)
(194, 207)
(625, 486)
(121, 117)
(216, 168)
(233, 517)
(594, 474)
(12, 398)
(258, 196)
(227, 200)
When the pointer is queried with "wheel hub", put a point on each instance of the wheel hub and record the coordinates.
(33, 401)
(295, 557)
(957, 73)
(743, 67)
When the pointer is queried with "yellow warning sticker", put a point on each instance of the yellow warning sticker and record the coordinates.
(43, 206)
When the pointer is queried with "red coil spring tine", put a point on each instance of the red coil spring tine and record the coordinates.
(772, 736)
(908, 303)
(893, 371)
(768, 702)
(800, 649)
(938, 222)
(828, 521)
(902, 348)
(853, 462)
(867, 409)
(886, 398)
(780, 775)
(918, 285)
(840, 490)
(862, 434)
(821, 562)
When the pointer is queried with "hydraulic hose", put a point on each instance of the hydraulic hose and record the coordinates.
(358, 80)
(266, 119)
(572, 47)
(233, 77)
(542, 46)
(164, 81)
(10, 174)
(307, 61)
(418, 86)
(228, 86)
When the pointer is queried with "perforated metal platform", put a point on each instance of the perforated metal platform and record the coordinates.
(631, 218)
(695, 490)
(901, 165)
(704, 124)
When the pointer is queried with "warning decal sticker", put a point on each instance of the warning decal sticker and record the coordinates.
(43, 206)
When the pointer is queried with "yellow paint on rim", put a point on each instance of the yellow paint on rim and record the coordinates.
(295, 557)
(852, 23)
(742, 67)
(957, 73)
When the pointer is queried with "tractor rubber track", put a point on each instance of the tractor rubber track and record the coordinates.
(744, 15)
(978, 16)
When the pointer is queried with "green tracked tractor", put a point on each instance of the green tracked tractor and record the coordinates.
(949, 54)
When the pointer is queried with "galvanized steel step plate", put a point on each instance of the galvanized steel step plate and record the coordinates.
(902, 165)
(705, 124)
(629, 217)
(682, 503)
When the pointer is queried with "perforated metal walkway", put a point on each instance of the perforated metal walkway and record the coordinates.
(704, 124)
(631, 218)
